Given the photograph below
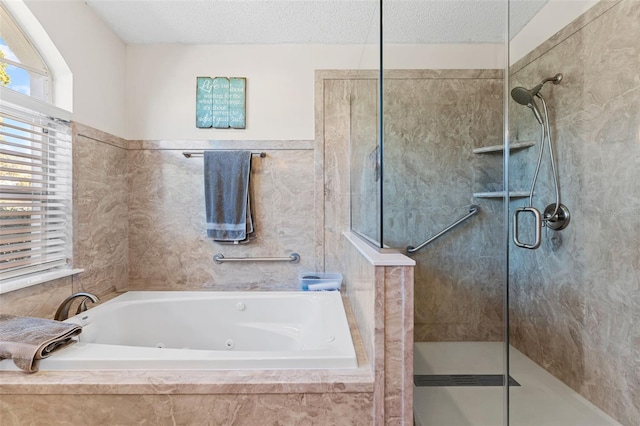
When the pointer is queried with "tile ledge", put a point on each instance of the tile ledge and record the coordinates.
(187, 381)
(376, 258)
(20, 283)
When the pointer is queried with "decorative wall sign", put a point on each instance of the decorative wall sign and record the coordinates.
(221, 102)
(237, 97)
(204, 113)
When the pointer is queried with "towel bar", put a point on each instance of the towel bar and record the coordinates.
(191, 154)
(293, 258)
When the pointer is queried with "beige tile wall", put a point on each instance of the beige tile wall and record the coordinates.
(99, 222)
(100, 210)
(100, 227)
(168, 245)
(139, 225)
(347, 409)
(381, 297)
(433, 120)
(576, 301)
(37, 301)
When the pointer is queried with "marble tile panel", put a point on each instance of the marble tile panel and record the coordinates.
(100, 210)
(432, 125)
(41, 300)
(359, 284)
(277, 409)
(81, 130)
(593, 13)
(187, 382)
(575, 303)
(200, 145)
(335, 179)
(168, 246)
(99, 231)
(398, 344)
(382, 301)
(379, 359)
(445, 74)
(364, 161)
(102, 280)
(476, 261)
(419, 197)
(318, 167)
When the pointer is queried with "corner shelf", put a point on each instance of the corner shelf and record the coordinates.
(500, 194)
(500, 148)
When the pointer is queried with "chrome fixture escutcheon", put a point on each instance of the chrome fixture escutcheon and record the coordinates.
(560, 220)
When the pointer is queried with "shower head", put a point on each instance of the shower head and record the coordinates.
(556, 79)
(525, 97)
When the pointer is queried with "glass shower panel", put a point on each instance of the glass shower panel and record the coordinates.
(442, 108)
(364, 156)
(573, 292)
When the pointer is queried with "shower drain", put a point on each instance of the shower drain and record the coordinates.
(462, 380)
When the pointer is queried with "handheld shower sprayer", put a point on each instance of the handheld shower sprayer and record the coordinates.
(556, 216)
(526, 96)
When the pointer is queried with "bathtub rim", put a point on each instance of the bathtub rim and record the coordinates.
(128, 382)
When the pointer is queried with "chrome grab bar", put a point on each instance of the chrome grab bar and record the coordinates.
(193, 154)
(474, 209)
(538, 237)
(293, 258)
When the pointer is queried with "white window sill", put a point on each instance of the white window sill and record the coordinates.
(19, 283)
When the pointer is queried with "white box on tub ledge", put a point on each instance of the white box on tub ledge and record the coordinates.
(320, 281)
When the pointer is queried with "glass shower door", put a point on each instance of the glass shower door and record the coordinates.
(574, 271)
(442, 112)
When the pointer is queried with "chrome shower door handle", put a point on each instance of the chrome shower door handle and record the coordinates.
(538, 218)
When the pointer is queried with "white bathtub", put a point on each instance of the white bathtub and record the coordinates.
(150, 330)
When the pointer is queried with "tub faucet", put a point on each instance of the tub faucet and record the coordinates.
(63, 310)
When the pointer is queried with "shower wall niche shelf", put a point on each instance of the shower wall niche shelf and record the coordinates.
(515, 146)
(500, 148)
(500, 194)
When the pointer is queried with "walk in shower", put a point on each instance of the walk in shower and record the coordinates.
(506, 136)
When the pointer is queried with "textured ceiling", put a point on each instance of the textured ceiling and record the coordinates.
(316, 21)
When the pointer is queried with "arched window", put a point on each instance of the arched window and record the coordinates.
(21, 66)
(35, 167)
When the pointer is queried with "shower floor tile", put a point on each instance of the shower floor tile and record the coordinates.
(541, 400)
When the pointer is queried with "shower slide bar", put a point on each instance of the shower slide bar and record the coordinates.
(473, 210)
(193, 154)
(219, 259)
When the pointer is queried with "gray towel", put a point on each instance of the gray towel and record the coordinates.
(27, 340)
(226, 192)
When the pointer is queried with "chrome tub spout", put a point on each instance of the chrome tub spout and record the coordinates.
(63, 310)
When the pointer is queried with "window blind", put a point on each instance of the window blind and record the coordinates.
(35, 192)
